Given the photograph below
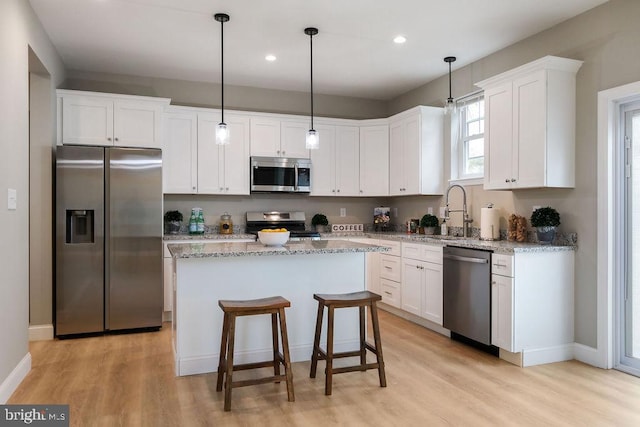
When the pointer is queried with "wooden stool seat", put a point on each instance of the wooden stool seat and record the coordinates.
(236, 308)
(331, 302)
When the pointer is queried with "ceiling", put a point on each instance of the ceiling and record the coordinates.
(354, 53)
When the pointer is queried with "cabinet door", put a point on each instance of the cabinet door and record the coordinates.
(412, 283)
(530, 131)
(432, 292)
(347, 161)
(323, 171)
(236, 156)
(411, 155)
(502, 312)
(396, 173)
(87, 120)
(390, 267)
(293, 137)
(374, 161)
(137, 124)
(210, 156)
(168, 283)
(179, 154)
(498, 135)
(265, 137)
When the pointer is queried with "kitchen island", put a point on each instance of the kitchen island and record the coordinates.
(207, 272)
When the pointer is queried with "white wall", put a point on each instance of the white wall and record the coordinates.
(606, 39)
(19, 29)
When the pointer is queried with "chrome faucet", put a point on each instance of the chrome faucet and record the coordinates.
(466, 220)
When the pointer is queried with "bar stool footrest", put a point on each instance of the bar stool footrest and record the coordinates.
(355, 368)
(255, 381)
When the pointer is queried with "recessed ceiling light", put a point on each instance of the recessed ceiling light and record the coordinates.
(270, 58)
(399, 39)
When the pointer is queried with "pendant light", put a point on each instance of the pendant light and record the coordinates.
(313, 139)
(222, 132)
(449, 106)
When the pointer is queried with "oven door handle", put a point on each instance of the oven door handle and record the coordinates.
(295, 177)
(466, 259)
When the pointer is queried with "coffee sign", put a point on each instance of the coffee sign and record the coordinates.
(346, 227)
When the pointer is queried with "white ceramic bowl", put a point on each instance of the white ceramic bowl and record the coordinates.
(273, 238)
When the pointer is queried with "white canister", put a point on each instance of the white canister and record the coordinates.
(489, 224)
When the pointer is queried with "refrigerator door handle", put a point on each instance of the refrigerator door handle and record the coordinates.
(107, 236)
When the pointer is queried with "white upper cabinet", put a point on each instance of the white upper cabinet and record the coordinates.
(180, 153)
(88, 118)
(223, 169)
(416, 152)
(335, 170)
(374, 160)
(272, 137)
(530, 125)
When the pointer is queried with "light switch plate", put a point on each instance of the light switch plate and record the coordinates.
(343, 212)
(430, 210)
(12, 199)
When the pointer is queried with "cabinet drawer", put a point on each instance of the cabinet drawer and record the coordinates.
(390, 291)
(422, 252)
(502, 264)
(395, 247)
(390, 267)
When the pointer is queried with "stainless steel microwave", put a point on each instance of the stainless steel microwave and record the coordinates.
(280, 175)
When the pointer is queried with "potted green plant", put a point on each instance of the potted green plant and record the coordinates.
(172, 221)
(320, 222)
(545, 220)
(428, 224)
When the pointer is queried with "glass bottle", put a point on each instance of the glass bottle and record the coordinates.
(193, 220)
(200, 222)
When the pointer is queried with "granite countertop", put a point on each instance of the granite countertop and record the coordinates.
(208, 236)
(498, 246)
(236, 249)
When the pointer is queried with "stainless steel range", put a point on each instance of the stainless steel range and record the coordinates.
(292, 221)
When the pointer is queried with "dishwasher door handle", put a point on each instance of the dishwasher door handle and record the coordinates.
(466, 259)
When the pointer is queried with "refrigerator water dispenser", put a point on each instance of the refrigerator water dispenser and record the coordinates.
(80, 226)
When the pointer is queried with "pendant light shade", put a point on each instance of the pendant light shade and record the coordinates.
(312, 139)
(222, 132)
(450, 105)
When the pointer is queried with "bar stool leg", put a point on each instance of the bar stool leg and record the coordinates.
(276, 346)
(285, 352)
(229, 372)
(363, 349)
(329, 370)
(316, 341)
(223, 352)
(378, 343)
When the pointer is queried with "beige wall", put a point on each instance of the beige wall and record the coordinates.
(200, 94)
(606, 39)
(19, 30)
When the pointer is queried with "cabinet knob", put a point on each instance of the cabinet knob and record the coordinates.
(338, 190)
(108, 138)
(115, 138)
(221, 188)
(361, 191)
(227, 189)
(283, 153)
(193, 188)
(333, 191)
(278, 152)
(513, 180)
(506, 180)
(493, 283)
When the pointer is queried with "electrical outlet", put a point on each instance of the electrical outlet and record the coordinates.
(430, 210)
(442, 208)
(343, 212)
(12, 199)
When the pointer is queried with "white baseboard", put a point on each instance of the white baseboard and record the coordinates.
(11, 383)
(539, 356)
(415, 319)
(209, 363)
(588, 355)
(40, 332)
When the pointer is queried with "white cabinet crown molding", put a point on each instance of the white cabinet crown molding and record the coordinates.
(70, 92)
(545, 63)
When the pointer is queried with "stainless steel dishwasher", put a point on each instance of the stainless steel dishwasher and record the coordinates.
(467, 293)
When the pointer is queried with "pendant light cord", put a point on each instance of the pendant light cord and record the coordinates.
(311, 50)
(450, 81)
(222, 68)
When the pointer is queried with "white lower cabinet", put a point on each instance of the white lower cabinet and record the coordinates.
(532, 305)
(422, 280)
(390, 273)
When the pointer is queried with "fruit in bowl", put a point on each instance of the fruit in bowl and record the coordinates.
(273, 237)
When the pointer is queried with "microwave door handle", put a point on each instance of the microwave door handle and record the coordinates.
(295, 177)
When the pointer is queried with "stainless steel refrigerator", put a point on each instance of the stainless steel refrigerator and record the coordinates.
(108, 239)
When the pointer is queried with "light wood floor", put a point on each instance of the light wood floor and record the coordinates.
(128, 380)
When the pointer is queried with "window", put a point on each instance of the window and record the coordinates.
(468, 142)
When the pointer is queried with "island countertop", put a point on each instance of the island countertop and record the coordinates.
(239, 249)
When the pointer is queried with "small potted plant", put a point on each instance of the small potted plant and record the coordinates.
(545, 220)
(172, 221)
(320, 222)
(428, 224)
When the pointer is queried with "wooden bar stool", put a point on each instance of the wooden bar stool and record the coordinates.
(232, 309)
(333, 301)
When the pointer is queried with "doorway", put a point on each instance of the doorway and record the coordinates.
(628, 287)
